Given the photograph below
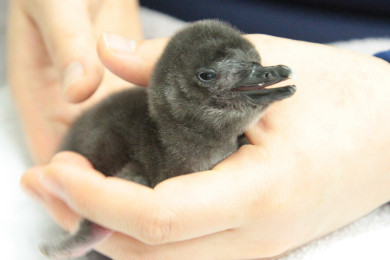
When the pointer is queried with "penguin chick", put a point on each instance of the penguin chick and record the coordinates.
(206, 89)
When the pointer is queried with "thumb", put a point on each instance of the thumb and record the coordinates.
(68, 36)
(129, 59)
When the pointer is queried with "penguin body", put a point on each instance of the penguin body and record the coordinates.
(207, 88)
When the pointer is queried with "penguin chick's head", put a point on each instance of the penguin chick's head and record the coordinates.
(209, 68)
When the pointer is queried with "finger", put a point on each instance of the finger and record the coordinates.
(61, 213)
(230, 244)
(131, 60)
(69, 38)
(180, 208)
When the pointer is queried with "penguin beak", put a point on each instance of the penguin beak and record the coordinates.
(254, 87)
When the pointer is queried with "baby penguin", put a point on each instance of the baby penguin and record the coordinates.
(207, 88)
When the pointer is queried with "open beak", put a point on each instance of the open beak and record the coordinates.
(254, 87)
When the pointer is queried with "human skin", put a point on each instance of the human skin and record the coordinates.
(52, 61)
(317, 162)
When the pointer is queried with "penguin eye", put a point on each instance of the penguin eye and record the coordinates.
(206, 75)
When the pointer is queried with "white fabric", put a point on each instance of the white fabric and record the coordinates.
(25, 223)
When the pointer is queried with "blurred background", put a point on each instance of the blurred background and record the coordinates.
(322, 21)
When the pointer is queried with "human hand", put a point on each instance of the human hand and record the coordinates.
(52, 61)
(319, 160)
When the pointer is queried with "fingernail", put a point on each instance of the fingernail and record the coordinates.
(72, 73)
(52, 186)
(119, 44)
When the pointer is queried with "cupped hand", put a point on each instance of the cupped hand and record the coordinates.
(318, 161)
(52, 61)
